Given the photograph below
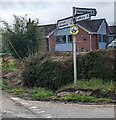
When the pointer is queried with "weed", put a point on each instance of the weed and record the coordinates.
(10, 66)
(4, 85)
(16, 91)
(41, 93)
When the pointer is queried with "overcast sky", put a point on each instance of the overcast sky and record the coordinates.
(49, 11)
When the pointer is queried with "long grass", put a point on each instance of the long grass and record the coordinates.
(92, 84)
(82, 98)
(41, 94)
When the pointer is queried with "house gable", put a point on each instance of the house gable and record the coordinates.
(102, 28)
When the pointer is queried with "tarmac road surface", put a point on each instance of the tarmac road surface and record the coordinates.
(13, 107)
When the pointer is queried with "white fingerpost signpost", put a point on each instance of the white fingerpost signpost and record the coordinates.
(74, 31)
(79, 14)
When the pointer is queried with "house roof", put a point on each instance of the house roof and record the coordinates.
(48, 28)
(91, 25)
(113, 29)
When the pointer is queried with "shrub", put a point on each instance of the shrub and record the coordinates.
(98, 64)
(43, 72)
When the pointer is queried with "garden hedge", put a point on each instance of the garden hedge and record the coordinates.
(50, 74)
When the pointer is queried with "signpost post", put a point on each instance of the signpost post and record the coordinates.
(73, 31)
(78, 15)
(74, 49)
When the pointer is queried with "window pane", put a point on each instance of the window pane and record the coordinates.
(104, 38)
(100, 38)
(61, 39)
(69, 38)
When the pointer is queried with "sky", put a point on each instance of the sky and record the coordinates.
(49, 11)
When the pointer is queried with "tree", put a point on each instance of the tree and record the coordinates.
(22, 38)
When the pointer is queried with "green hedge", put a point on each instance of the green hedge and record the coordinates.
(43, 72)
(98, 64)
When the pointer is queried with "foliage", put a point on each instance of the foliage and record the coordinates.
(82, 98)
(23, 38)
(4, 85)
(43, 72)
(16, 91)
(9, 66)
(46, 72)
(41, 94)
(95, 84)
(98, 64)
(92, 84)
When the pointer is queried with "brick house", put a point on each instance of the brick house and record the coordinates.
(93, 35)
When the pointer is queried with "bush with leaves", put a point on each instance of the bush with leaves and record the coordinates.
(98, 64)
(43, 72)
(23, 38)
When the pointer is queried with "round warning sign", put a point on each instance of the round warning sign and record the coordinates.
(74, 30)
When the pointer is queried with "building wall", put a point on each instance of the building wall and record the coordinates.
(95, 43)
(65, 46)
(52, 42)
(102, 31)
(85, 41)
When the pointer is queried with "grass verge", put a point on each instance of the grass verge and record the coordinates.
(41, 94)
(92, 84)
(83, 99)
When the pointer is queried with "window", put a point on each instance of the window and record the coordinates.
(104, 38)
(61, 39)
(70, 38)
(100, 38)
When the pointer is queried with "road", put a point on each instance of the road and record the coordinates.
(14, 107)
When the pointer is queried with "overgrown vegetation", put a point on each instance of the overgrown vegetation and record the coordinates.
(92, 84)
(46, 75)
(97, 64)
(43, 72)
(9, 66)
(41, 94)
(23, 38)
(82, 98)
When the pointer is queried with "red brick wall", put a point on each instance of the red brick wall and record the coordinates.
(81, 43)
(83, 40)
(95, 42)
(52, 42)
